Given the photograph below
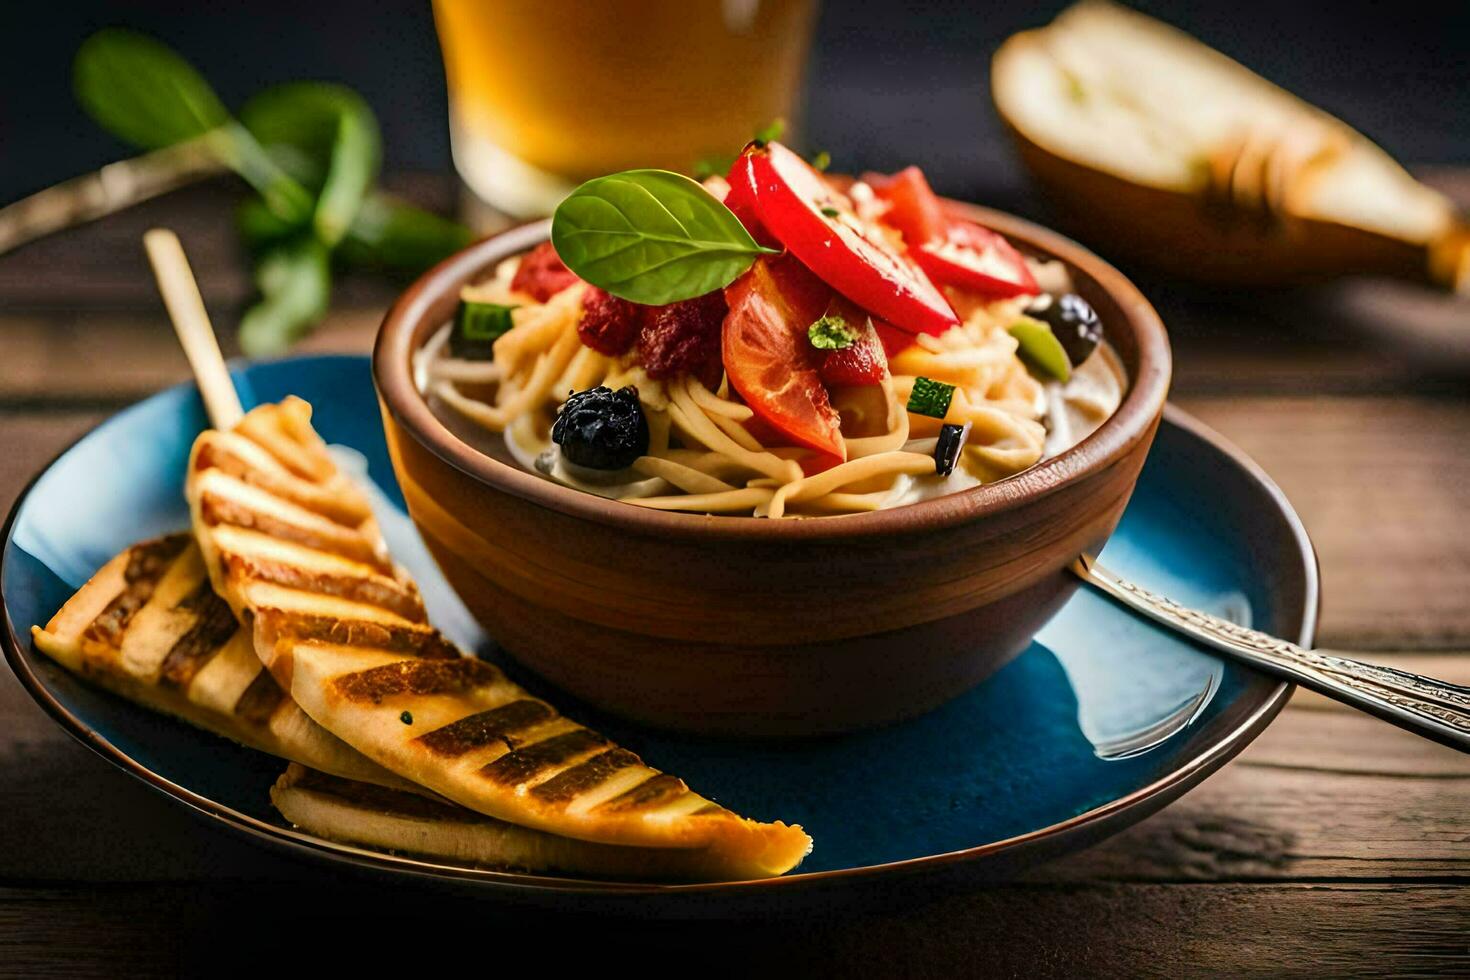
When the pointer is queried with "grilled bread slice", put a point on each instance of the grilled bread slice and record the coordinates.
(148, 626)
(350, 812)
(292, 546)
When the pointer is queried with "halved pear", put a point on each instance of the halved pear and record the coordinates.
(1155, 146)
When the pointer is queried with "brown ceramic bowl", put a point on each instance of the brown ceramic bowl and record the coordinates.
(750, 627)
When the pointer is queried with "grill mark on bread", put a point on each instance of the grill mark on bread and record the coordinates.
(652, 792)
(260, 699)
(340, 508)
(385, 593)
(213, 626)
(346, 542)
(478, 730)
(147, 564)
(522, 765)
(416, 677)
(567, 786)
(408, 639)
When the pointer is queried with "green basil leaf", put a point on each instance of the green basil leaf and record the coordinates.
(397, 237)
(142, 91)
(1040, 349)
(328, 137)
(651, 236)
(295, 282)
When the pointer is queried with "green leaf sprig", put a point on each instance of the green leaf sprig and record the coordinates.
(310, 151)
(652, 237)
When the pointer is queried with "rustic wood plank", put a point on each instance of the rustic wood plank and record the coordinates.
(1383, 485)
(101, 265)
(57, 360)
(1133, 931)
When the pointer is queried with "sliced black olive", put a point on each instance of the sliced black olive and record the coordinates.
(947, 450)
(602, 429)
(1073, 322)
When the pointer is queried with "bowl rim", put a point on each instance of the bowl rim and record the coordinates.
(1131, 423)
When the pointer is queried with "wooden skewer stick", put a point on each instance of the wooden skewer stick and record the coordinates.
(191, 323)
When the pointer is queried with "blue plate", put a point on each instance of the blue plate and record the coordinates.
(1103, 720)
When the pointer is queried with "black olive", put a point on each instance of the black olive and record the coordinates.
(947, 449)
(1073, 322)
(602, 429)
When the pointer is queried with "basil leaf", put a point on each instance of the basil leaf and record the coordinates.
(651, 236)
(328, 137)
(295, 282)
(141, 91)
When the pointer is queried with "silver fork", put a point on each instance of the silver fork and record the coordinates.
(1432, 708)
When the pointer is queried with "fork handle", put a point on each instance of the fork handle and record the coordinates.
(1432, 708)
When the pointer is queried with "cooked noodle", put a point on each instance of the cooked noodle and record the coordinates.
(703, 459)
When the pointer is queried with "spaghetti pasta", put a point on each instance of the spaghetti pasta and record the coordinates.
(705, 453)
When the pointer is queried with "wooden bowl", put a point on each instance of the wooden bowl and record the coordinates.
(757, 628)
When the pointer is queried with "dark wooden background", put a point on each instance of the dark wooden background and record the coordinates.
(1335, 845)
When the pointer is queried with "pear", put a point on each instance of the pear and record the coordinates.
(1180, 158)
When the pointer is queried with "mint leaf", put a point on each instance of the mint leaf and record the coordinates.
(328, 137)
(295, 283)
(651, 236)
(142, 92)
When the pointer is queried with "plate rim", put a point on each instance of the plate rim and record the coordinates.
(1158, 792)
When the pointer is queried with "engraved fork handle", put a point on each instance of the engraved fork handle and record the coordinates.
(1425, 706)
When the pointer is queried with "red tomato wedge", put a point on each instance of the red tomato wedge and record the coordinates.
(817, 224)
(741, 201)
(912, 207)
(864, 362)
(768, 358)
(952, 252)
(977, 258)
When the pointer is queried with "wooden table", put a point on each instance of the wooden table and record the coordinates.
(1334, 845)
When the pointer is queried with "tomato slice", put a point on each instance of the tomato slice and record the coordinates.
(863, 363)
(741, 201)
(952, 252)
(768, 358)
(913, 208)
(977, 258)
(818, 224)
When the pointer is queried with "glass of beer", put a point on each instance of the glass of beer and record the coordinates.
(544, 94)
